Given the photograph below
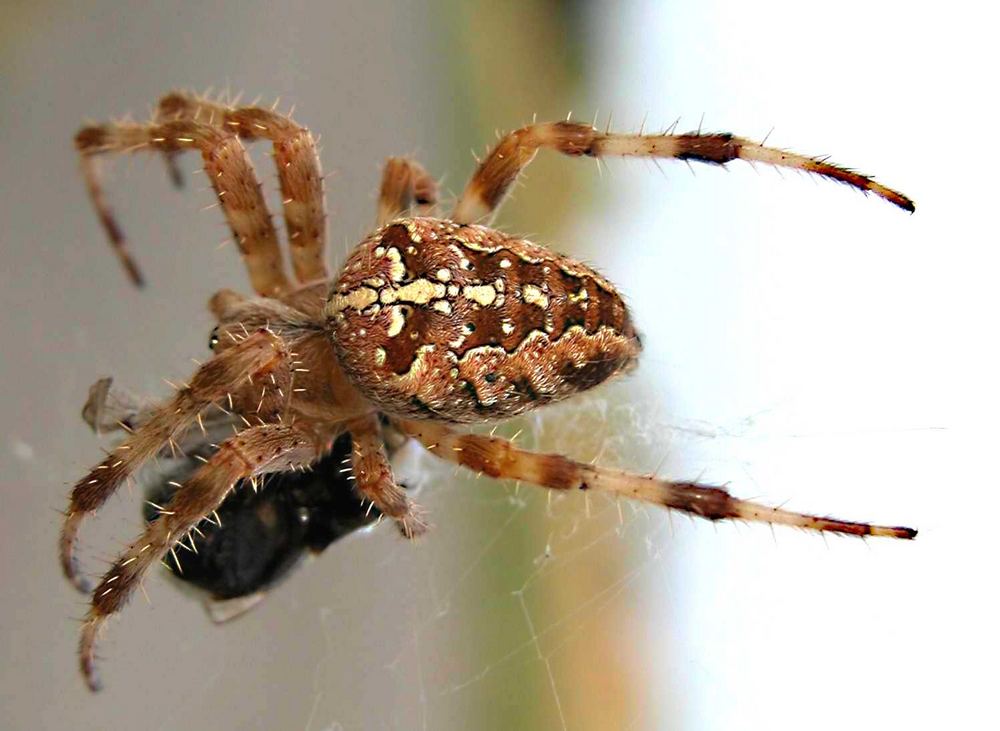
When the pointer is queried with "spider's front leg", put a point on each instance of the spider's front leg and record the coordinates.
(495, 175)
(374, 479)
(499, 458)
(225, 376)
(254, 451)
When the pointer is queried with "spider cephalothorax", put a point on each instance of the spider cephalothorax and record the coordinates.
(432, 322)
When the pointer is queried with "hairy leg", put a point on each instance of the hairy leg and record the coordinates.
(501, 459)
(230, 172)
(405, 182)
(494, 176)
(297, 159)
(374, 479)
(257, 357)
(254, 451)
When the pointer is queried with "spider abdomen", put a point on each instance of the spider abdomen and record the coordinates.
(463, 323)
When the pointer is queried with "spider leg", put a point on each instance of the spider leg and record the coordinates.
(254, 451)
(261, 354)
(111, 409)
(230, 172)
(499, 458)
(494, 176)
(299, 174)
(374, 479)
(405, 182)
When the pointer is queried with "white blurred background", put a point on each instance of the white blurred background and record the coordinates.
(803, 344)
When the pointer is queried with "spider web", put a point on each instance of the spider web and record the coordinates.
(523, 602)
(516, 584)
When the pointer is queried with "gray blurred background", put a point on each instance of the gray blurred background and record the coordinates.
(804, 345)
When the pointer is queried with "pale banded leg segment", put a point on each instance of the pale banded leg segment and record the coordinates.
(499, 458)
(254, 451)
(230, 172)
(374, 479)
(511, 155)
(405, 183)
(257, 358)
(299, 173)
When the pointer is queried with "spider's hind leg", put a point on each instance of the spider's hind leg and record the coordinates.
(254, 451)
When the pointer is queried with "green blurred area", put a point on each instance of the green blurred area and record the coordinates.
(512, 62)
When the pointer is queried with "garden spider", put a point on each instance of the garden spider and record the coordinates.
(432, 322)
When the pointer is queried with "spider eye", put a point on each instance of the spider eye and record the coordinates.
(213, 339)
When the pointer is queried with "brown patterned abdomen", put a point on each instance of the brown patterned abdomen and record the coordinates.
(432, 319)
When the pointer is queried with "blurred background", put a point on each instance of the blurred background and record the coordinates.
(804, 345)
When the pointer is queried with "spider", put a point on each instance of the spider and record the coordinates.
(432, 322)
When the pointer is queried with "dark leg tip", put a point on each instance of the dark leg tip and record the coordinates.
(174, 171)
(82, 584)
(94, 684)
